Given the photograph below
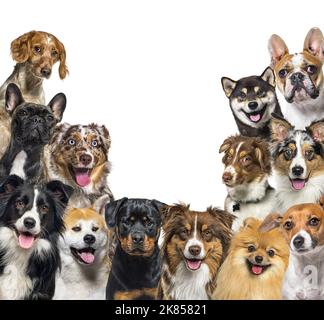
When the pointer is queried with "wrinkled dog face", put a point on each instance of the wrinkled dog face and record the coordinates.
(80, 153)
(86, 235)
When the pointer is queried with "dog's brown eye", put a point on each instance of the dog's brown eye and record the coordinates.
(207, 235)
(183, 233)
(94, 143)
(71, 142)
(242, 95)
(37, 49)
(251, 248)
(288, 225)
(261, 93)
(76, 229)
(20, 204)
(94, 229)
(43, 209)
(23, 112)
(283, 73)
(314, 222)
(246, 160)
(271, 253)
(54, 53)
(309, 154)
(311, 69)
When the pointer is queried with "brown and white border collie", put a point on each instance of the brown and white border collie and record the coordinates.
(195, 244)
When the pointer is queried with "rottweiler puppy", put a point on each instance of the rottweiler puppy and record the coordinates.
(136, 265)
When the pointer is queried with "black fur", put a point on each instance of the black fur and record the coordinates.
(134, 272)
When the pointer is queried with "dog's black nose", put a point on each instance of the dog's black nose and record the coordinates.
(297, 171)
(253, 105)
(138, 238)
(29, 223)
(37, 119)
(258, 259)
(195, 250)
(298, 242)
(85, 159)
(296, 78)
(46, 72)
(89, 239)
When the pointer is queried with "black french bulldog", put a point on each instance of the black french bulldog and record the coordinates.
(32, 126)
(136, 265)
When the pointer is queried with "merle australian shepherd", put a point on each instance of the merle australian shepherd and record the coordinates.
(31, 219)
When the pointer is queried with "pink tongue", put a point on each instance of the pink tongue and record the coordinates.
(25, 241)
(257, 269)
(298, 184)
(82, 179)
(87, 257)
(255, 117)
(193, 264)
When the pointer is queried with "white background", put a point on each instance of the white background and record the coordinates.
(150, 71)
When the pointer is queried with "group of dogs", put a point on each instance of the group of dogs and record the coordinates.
(64, 236)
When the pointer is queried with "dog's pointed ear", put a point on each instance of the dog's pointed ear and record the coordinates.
(20, 47)
(60, 191)
(57, 105)
(100, 204)
(314, 43)
(111, 211)
(321, 201)
(249, 223)
(279, 128)
(316, 130)
(63, 69)
(277, 49)
(271, 221)
(13, 98)
(269, 76)
(10, 184)
(228, 86)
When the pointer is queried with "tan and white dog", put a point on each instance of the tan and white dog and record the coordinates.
(84, 248)
(299, 77)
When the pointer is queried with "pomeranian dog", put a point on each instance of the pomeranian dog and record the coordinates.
(255, 265)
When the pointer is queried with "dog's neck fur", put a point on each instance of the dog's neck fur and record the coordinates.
(251, 192)
(30, 85)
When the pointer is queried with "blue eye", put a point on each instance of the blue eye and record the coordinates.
(71, 142)
(94, 143)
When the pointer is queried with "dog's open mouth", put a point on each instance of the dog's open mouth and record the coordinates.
(256, 116)
(298, 184)
(193, 264)
(26, 239)
(257, 269)
(81, 176)
(85, 255)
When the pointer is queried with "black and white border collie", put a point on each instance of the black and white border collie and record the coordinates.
(31, 219)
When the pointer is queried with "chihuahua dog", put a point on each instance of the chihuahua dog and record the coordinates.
(255, 265)
(246, 174)
(299, 77)
(31, 129)
(252, 101)
(302, 226)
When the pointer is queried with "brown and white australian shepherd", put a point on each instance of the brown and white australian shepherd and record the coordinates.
(195, 244)
(78, 155)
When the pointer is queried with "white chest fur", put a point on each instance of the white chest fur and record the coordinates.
(18, 165)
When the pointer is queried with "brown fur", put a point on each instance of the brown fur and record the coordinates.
(135, 294)
(235, 281)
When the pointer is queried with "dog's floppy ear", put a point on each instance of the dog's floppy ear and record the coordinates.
(13, 98)
(60, 190)
(20, 47)
(321, 201)
(63, 70)
(314, 43)
(262, 154)
(228, 86)
(277, 49)
(271, 221)
(159, 207)
(100, 204)
(226, 145)
(316, 130)
(57, 105)
(111, 211)
(10, 184)
(225, 217)
(104, 133)
(169, 212)
(268, 76)
(279, 128)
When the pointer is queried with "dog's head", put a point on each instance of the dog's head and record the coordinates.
(302, 226)
(194, 239)
(299, 76)
(246, 160)
(137, 223)
(297, 155)
(260, 253)
(252, 99)
(42, 50)
(85, 236)
(80, 153)
(32, 213)
(32, 124)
